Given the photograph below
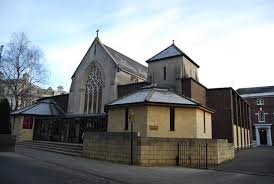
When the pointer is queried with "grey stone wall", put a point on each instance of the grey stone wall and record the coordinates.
(112, 146)
(164, 151)
(148, 151)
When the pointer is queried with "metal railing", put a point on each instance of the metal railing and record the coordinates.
(193, 154)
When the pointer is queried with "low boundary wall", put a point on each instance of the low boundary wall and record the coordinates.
(148, 151)
(7, 143)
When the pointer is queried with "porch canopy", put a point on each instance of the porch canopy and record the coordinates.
(45, 107)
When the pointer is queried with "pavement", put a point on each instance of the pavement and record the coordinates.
(34, 166)
(257, 161)
(19, 169)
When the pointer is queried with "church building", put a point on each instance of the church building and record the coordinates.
(100, 90)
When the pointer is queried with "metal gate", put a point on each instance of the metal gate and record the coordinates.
(192, 154)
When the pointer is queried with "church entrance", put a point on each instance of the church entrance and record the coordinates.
(263, 138)
(69, 129)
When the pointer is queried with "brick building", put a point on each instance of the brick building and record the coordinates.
(231, 119)
(261, 101)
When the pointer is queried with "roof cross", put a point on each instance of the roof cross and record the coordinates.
(97, 32)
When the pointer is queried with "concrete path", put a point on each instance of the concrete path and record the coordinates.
(113, 173)
(259, 161)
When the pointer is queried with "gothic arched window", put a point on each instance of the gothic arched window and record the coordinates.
(93, 90)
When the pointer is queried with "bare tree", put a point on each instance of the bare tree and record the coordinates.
(21, 69)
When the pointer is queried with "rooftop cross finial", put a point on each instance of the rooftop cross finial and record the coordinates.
(172, 41)
(97, 32)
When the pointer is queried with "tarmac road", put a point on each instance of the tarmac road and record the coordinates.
(18, 169)
(41, 167)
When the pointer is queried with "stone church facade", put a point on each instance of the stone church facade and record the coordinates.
(95, 81)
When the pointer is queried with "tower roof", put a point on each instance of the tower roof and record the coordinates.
(169, 52)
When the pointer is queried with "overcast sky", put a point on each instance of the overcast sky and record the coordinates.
(232, 41)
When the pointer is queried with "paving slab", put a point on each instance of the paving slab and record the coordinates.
(259, 160)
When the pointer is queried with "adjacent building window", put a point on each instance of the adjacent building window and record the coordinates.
(261, 116)
(27, 122)
(93, 91)
(204, 122)
(164, 73)
(260, 101)
(196, 76)
(172, 119)
(126, 119)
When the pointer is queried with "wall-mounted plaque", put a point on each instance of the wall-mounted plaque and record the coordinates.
(153, 127)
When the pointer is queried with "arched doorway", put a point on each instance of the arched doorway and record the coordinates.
(263, 138)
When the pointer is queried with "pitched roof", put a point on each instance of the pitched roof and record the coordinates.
(171, 51)
(155, 94)
(256, 91)
(42, 108)
(60, 100)
(127, 63)
(123, 62)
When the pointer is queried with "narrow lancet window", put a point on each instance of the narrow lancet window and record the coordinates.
(172, 119)
(164, 73)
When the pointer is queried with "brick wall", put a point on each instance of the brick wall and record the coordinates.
(268, 108)
(126, 89)
(220, 101)
(193, 89)
(231, 118)
(147, 151)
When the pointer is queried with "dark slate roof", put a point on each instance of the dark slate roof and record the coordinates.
(171, 51)
(256, 91)
(156, 94)
(60, 100)
(263, 89)
(127, 63)
(76, 115)
(42, 108)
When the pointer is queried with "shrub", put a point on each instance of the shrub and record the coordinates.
(5, 127)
